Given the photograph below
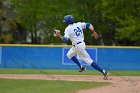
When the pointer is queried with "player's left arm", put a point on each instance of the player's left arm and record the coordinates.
(94, 33)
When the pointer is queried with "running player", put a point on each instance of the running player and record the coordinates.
(74, 32)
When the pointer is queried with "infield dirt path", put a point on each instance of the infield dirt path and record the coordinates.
(120, 84)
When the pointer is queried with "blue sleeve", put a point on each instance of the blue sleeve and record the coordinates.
(87, 25)
(65, 39)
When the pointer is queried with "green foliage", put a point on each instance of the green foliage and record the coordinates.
(125, 15)
(43, 14)
(115, 20)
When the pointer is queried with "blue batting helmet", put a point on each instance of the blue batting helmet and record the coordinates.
(68, 19)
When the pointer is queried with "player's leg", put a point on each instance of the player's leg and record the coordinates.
(85, 56)
(97, 67)
(90, 62)
(82, 68)
(71, 55)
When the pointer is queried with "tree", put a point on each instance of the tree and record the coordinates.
(116, 21)
(42, 14)
(28, 14)
(124, 17)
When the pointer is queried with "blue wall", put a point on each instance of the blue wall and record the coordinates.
(52, 57)
(119, 58)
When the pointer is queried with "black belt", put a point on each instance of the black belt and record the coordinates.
(77, 43)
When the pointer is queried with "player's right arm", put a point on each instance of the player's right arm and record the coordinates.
(58, 34)
(65, 39)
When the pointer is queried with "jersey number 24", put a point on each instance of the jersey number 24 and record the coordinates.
(77, 31)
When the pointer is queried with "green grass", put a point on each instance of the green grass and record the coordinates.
(67, 72)
(45, 86)
(52, 86)
(125, 73)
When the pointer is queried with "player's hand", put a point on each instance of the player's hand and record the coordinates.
(95, 35)
(56, 33)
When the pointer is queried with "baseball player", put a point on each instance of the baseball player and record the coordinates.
(74, 32)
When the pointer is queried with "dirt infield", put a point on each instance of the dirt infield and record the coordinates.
(120, 84)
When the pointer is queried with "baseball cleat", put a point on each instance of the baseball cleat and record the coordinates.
(82, 69)
(106, 75)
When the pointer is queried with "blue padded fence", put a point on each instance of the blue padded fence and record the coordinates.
(55, 57)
